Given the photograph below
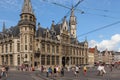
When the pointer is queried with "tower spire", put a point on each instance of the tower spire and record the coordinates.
(72, 23)
(72, 11)
(3, 27)
(27, 7)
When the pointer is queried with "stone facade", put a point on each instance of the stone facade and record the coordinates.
(107, 56)
(26, 44)
(91, 56)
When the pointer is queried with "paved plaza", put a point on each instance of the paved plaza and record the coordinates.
(91, 75)
(37, 75)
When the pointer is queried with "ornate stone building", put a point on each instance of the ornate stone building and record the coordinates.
(34, 46)
(107, 56)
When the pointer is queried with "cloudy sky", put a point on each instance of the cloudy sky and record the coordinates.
(100, 23)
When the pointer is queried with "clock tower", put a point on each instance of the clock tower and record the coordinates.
(72, 24)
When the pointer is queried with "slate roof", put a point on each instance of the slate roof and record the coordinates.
(12, 31)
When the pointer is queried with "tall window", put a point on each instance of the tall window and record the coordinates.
(48, 48)
(26, 56)
(53, 60)
(57, 60)
(21, 47)
(10, 47)
(25, 47)
(18, 47)
(25, 39)
(53, 49)
(6, 48)
(70, 50)
(30, 39)
(11, 59)
(6, 59)
(21, 39)
(43, 59)
(18, 59)
(43, 47)
(30, 47)
(2, 48)
(2, 60)
(57, 49)
(74, 51)
(48, 60)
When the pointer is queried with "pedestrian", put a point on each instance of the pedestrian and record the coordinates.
(111, 67)
(3, 73)
(76, 71)
(0, 73)
(7, 68)
(103, 70)
(84, 70)
(42, 69)
(55, 71)
(99, 69)
(50, 71)
(47, 72)
(62, 71)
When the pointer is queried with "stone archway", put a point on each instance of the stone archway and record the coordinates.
(65, 61)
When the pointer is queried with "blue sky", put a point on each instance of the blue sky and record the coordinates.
(97, 13)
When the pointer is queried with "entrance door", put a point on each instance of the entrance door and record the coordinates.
(63, 61)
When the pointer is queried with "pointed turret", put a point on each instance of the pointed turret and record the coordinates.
(52, 26)
(3, 27)
(27, 14)
(65, 24)
(27, 7)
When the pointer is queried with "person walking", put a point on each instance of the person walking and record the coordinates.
(55, 71)
(99, 70)
(76, 71)
(6, 68)
(84, 70)
(103, 71)
(62, 71)
(3, 73)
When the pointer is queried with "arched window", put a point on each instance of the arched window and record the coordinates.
(18, 59)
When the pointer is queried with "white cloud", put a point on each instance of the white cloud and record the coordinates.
(112, 44)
